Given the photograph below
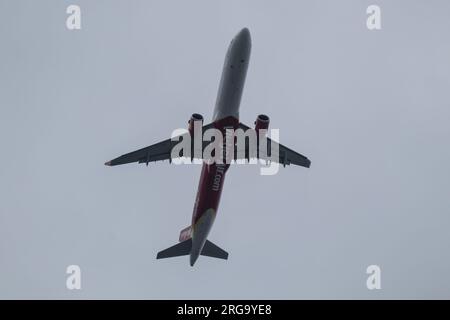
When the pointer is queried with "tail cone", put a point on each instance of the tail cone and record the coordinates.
(192, 259)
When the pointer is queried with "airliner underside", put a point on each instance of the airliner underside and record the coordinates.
(193, 239)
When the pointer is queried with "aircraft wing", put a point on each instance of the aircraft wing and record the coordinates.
(162, 151)
(156, 152)
(286, 156)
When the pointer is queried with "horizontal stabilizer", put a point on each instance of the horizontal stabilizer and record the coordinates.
(211, 250)
(180, 249)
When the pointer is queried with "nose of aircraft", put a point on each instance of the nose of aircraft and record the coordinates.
(240, 46)
(243, 37)
(244, 34)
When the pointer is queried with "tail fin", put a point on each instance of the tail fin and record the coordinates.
(185, 234)
(180, 249)
(211, 250)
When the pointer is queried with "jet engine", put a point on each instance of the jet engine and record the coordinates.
(262, 122)
(194, 118)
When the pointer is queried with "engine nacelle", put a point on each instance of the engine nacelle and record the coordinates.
(195, 118)
(262, 122)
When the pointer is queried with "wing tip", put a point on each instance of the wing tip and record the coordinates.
(108, 163)
(308, 164)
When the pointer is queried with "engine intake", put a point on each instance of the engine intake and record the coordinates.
(194, 118)
(262, 122)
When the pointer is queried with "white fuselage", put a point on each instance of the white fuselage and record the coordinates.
(227, 106)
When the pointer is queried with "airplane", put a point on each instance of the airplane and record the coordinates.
(193, 239)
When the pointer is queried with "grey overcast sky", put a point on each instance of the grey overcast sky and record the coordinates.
(371, 109)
